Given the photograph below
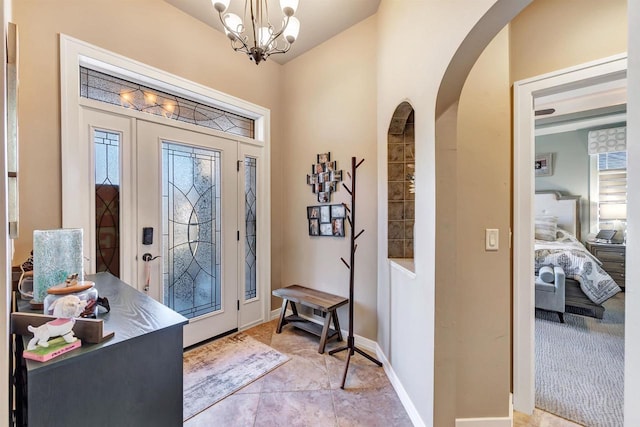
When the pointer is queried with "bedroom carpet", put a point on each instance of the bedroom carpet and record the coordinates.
(217, 369)
(579, 365)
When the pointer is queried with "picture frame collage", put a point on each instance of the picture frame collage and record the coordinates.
(327, 220)
(324, 177)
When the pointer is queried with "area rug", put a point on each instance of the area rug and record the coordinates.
(580, 365)
(215, 370)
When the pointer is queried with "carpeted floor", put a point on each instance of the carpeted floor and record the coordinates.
(580, 365)
(215, 370)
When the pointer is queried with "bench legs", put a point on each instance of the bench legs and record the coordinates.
(283, 313)
(332, 316)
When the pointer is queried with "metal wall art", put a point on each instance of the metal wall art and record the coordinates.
(324, 177)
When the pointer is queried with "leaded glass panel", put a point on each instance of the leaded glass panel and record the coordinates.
(250, 203)
(107, 200)
(114, 90)
(191, 229)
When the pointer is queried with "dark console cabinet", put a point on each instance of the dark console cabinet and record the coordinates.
(132, 379)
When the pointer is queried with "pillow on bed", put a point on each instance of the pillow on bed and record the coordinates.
(546, 228)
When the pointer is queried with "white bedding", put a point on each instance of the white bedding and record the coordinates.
(578, 264)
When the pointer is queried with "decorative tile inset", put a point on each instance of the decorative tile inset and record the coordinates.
(396, 211)
(409, 209)
(396, 191)
(395, 152)
(396, 230)
(396, 172)
(396, 249)
(401, 169)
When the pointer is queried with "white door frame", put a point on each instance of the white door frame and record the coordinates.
(74, 53)
(525, 91)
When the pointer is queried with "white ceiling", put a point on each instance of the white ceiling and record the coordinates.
(319, 19)
(582, 107)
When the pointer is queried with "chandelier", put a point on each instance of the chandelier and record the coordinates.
(260, 39)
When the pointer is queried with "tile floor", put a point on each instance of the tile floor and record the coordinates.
(541, 418)
(305, 391)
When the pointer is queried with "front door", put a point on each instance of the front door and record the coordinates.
(187, 195)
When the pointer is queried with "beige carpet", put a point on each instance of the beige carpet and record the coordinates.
(215, 370)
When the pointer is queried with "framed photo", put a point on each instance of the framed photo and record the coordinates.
(312, 179)
(338, 211)
(314, 227)
(313, 212)
(325, 214)
(325, 229)
(336, 175)
(323, 196)
(337, 227)
(330, 186)
(317, 187)
(324, 158)
(330, 166)
(317, 168)
(544, 164)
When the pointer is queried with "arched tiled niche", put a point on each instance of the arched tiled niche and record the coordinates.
(401, 169)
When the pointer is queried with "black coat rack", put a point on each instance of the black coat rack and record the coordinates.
(351, 347)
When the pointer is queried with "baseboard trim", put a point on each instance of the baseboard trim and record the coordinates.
(397, 386)
(484, 422)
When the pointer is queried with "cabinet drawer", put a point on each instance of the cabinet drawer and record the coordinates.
(618, 278)
(611, 266)
(606, 254)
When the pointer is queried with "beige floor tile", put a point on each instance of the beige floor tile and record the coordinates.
(233, 411)
(369, 408)
(254, 387)
(305, 371)
(292, 409)
(540, 418)
(362, 372)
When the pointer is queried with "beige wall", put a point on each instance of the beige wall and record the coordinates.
(554, 34)
(149, 31)
(541, 40)
(329, 105)
(413, 72)
(483, 299)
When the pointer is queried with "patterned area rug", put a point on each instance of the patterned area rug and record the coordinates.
(215, 370)
(580, 365)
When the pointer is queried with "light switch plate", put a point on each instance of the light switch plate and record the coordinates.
(492, 237)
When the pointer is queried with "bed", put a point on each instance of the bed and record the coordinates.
(557, 230)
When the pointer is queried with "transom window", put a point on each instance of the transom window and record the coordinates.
(114, 90)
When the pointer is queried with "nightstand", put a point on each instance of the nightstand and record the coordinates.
(612, 256)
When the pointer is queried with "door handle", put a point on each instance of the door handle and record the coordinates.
(148, 257)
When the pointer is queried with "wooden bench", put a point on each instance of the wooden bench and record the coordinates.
(325, 302)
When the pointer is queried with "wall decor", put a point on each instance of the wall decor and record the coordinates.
(57, 254)
(324, 177)
(326, 220)
(544, 164)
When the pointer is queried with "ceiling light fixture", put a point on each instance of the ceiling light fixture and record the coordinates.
(264, 40)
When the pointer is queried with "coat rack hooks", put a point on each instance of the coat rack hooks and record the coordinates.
(351, 347)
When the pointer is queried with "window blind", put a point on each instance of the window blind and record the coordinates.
(612, 181)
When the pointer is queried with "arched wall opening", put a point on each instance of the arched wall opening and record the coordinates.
(473, 192)
(400, 179)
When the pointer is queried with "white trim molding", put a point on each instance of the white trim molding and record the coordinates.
(525, 93)
(406, 401)
(73, 53)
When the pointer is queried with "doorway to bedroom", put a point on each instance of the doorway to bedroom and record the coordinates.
(581, 359)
